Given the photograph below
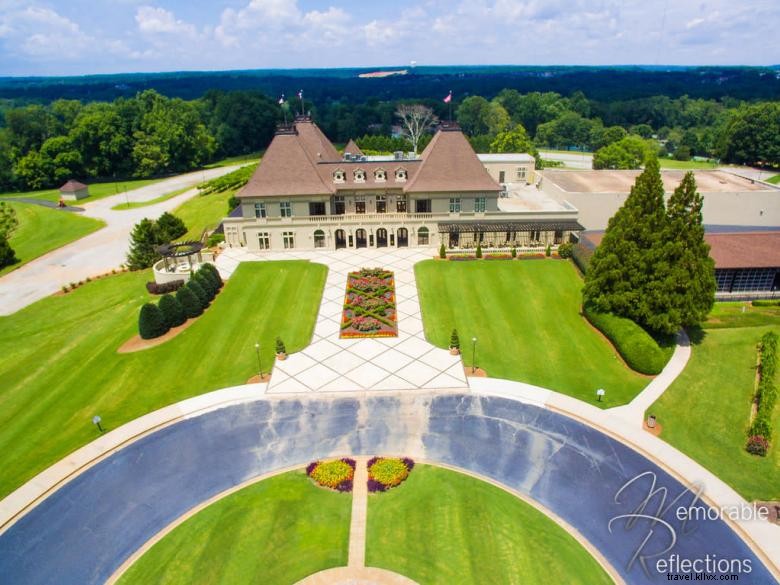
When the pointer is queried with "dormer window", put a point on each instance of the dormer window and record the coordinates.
(360, 176)
(339, 176)
(380, 175)
(400, 175)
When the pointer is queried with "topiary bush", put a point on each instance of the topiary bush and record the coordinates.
(514, 252)
(172, 311)
(442, 251)
(479, 251)
(212, 270)
(387, 472)
(189, 302)
(640, 351)
(454, 339)
(757, 445)
(336, 475)
(199, 291)
(151, 323)
(548, 251)
(206, 283)
(164, 287)
(280, 348)
(565, 250)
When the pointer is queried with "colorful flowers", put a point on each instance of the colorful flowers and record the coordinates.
(387, 472)
(369, 304)
(336, 475)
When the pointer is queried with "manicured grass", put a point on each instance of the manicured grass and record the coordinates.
(276, 531)
(41, 230)
(137, 204)
(526, 317)
(59, 365)
(741, 314)
(670, 163)
(775, 180)
(202, 212)
(96, 191)
(445, 527)
(705, 412)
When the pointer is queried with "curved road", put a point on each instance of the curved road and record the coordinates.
(84, 531)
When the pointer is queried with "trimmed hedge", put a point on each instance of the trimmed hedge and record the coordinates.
(189, 302)
(164, 288)
(767, 392)
(172, 311)
(211, 270)
(199, 291)
(151, 323)
(766, 303)
(581, 255)
(640, 351)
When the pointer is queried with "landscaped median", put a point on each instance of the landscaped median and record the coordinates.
(369, 305)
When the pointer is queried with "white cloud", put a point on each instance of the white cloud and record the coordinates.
(41, 32)
(154, 20)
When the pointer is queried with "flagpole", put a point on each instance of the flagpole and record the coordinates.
(450, 104)
(284, 110)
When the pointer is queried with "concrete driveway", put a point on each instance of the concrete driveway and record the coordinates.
(100, 251)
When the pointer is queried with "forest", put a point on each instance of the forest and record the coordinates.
(152, 125)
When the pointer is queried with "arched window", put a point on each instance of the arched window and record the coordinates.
(339, 176)
(380, 175)
(422, 236)
(400, 175)
(360, 176)
(319, 239)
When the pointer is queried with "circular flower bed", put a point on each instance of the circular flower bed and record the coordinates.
(387, 472)
(336, 475)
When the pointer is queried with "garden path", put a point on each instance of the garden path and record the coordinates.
(357, 527)
(331, 364)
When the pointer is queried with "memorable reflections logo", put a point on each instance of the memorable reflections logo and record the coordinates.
(662, 523)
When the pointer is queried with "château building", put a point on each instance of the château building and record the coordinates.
(307, 195)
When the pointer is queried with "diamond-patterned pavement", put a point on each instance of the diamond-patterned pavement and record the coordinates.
(331, 364)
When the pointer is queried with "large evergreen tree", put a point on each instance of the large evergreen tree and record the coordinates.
(143, 240)
(631, 254)
(151, 322)
(169, 228)
(7, 255)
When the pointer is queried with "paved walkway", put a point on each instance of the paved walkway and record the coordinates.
(100, 251)
(331, 364)
(357, 526)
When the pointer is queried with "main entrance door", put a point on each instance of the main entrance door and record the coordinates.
(381, 238)
(360, 238)
(454, 239)
(341, 239)
(403, 237)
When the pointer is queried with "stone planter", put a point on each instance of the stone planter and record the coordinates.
(454, 351)
(281, 356)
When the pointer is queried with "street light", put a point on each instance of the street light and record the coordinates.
(473, 355)
(96, 421)
(259, 366)
(599, 393)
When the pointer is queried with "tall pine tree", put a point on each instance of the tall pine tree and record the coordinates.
(143, 240)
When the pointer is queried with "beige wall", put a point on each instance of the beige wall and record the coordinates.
(510, 170)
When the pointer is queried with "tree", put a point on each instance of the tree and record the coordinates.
(753, 135)
(472, 114)
(189, 302)
(211, 269)
(7, 254)
(692, 283)
(601, 136)
(151, 323)
(628, 153)
(206, 284)
(172, 311)
(199, 291)
(416, 120)
(514, 140)
(143, 240)
(169, 228)
(569, 129)
(631, 255)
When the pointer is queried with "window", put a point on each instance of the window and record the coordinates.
(455, 205)
(521, 173)
(422, 236)
(400, 204)
(338, 205)
(319, 239)
(479, 205)
(501, 177)
(260, 210)
(381, 204)
(264, 241)
(400, 175)
(316, 208)
(339, 176)
(360, 204)
(380, 175)
(534, 235)
(288, 238)
(422, 205)
(285, 209)
(360, 176)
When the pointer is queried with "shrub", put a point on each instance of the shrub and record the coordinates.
(581, 255)
(206, 283)
(7, 254)
(199, 291)
(766, 303)
(640, 351)
(337, 475)
(215, 239)
(757, 445)
(172, 311)
(479, 250)
(164, 287)
(189, 302)
(212, 270)
(767, 392)
(151, 323)
(548, 251)
(442, 251)
(565, 250)
(213, 282)
(387, 472)
(454, 339)
(280, 346)
(514, 252)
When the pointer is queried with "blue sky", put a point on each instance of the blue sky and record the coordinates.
(79, 37)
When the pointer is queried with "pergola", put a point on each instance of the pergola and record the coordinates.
(173, 252)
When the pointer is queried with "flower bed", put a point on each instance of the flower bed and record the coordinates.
(461, 257)
(497, 256)
(369, 305)
(336, 475)
(387, 472)
(531, 256)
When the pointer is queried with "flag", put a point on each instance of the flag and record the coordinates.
(281, 100)
(448, 99)
(300, 95)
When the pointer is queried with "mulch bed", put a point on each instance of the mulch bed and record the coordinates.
(369, 305)
(478, 373)
(135, 343)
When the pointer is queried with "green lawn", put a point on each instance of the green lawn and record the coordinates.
(775, 180)
(59, 364)
(96, 191)
(741, 314)
(160, 199)
(445, 527)
(705, 412)
(670, 163)
(203, 211)
(526, 317)
(276, 531)
(41, 230)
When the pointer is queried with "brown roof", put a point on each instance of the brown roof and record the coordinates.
(732, 250)
(326, 174)
(72, 186)
(450, 164)
(352, 148)
(314, 142)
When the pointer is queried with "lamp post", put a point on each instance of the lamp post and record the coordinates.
(599, 394)
(259, 365)
(473, 355)
(96, 420)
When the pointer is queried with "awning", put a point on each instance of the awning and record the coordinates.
(509, 226)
